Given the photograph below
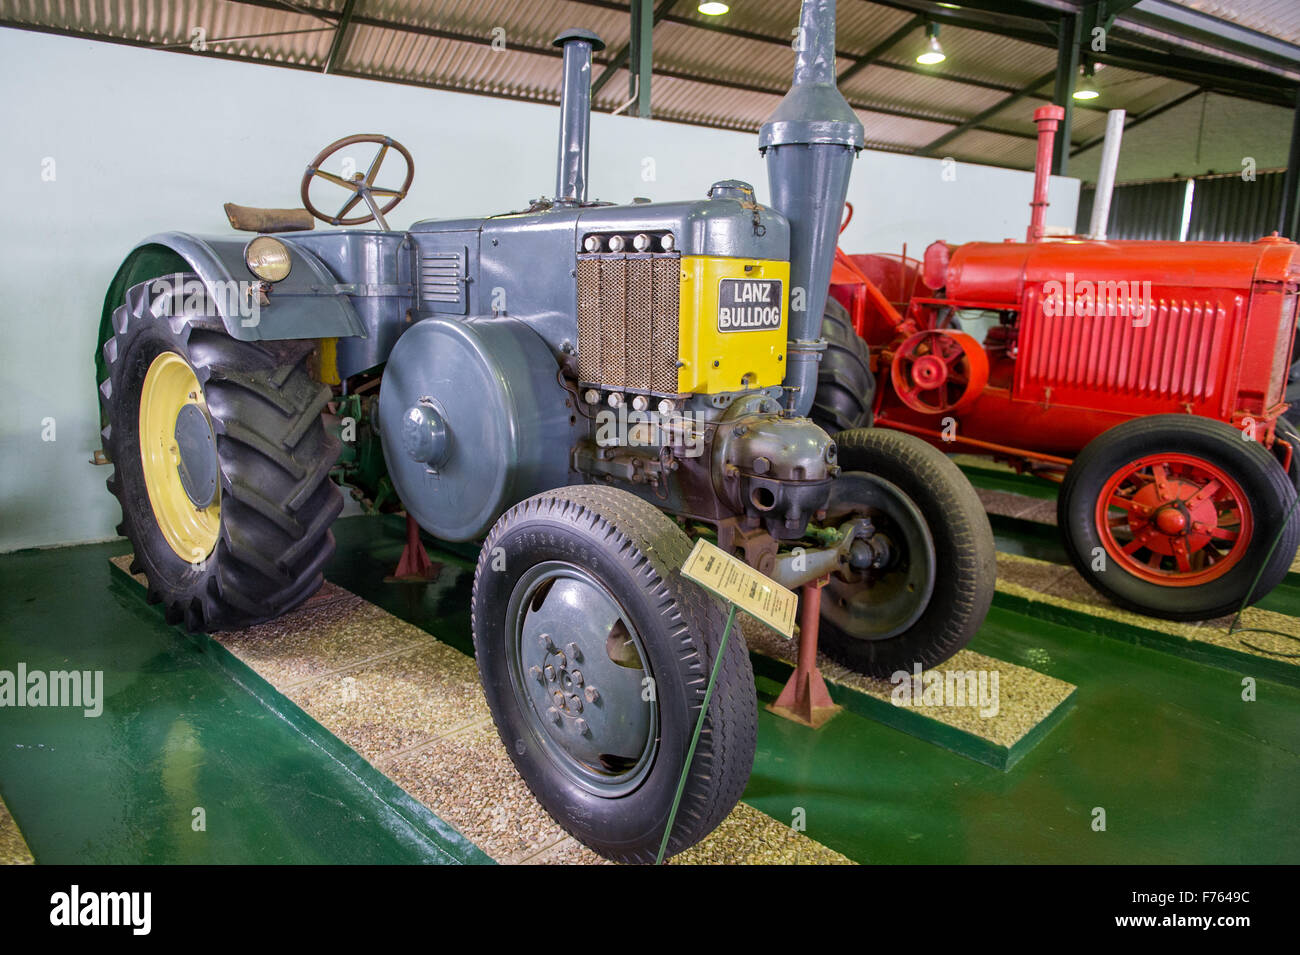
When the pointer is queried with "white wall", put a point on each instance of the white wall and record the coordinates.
(143, 141)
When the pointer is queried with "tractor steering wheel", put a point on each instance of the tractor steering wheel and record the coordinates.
(361, 185)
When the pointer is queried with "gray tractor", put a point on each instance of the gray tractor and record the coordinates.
(582, 388)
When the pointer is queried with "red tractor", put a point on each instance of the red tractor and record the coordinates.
(1147, 377)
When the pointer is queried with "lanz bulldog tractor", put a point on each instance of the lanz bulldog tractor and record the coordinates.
(582, 387)
(1147, 377)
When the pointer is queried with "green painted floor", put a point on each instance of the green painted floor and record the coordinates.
(1184, 769)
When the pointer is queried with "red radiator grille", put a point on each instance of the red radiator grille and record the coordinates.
(1179, 355)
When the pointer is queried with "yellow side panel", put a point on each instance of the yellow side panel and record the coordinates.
(715, 358)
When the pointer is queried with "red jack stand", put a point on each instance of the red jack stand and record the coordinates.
(415, 566)
(805, 698)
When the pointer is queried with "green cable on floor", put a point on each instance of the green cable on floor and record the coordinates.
(699, 727)
(1232, 628)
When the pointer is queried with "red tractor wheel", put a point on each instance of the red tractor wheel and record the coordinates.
(938, 370)
(1179, 517)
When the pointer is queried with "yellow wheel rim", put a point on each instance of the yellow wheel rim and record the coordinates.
(189, 528)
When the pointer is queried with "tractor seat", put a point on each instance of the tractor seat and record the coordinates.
(253, 219)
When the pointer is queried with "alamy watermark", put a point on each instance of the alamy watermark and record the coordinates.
(974, 688)
(182, 294)
(1088, 299)
(83, 689)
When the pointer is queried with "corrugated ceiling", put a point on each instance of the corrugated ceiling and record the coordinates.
(726, 72)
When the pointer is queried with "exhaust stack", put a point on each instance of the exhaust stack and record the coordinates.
(575, 115)
(810, 142)
(1106, 174)
(1047, 118)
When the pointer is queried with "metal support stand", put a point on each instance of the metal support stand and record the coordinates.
(805, 698)
(415, 566)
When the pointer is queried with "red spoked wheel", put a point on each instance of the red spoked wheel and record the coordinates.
(1174, 519)
(1178, 516)
(939, 370)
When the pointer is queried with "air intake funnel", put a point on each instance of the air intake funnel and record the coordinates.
(575, 115)
(810, 142)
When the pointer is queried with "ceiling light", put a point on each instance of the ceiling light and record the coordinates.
(1086, 89)
(711, 8)
(933, 52)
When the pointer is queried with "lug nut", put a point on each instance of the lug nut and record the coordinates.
(550, 674)
(575, 703)
(572, 650)
(545, 640)
(577, 676)
(536, 673)
(590, 693)
(554, 714)
(581, 726)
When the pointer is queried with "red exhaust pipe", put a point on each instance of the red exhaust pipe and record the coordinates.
(1047, 118)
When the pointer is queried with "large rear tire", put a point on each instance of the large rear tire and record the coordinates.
(594, 654)
(1176, 516)
(932, 595)
(845, 385)
(221, 460)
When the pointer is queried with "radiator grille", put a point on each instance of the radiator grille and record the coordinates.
(627, 322)
(1175, 356)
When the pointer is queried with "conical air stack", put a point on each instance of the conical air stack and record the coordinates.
(810, 142)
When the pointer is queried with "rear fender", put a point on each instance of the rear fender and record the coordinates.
(308, 303)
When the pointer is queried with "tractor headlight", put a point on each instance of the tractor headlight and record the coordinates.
(267, 258)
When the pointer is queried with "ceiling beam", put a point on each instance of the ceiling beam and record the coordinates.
(620, 58)
(338, 48)
(982, 117)
(880, 49)
(1139, 119)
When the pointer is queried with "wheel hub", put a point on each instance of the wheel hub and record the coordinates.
(896, 563)
(178, 457)
(197, 455)
(581, 674)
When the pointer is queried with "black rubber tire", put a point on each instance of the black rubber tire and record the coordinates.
(274, 457)
(636, 552)
(845, 384)
(963, 543)
(1268, 489)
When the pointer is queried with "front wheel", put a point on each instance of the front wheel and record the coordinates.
(932, 588)
(1178, 517)
(594, 655)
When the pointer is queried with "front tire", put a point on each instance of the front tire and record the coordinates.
(1175, 516)
(221, 460)
(933, 594)
(594, 655)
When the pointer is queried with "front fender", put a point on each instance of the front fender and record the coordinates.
(306, 304)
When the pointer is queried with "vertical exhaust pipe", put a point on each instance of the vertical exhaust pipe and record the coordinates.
(1047, 118)
(575, 115)
(810, 142)
(1106, 174)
